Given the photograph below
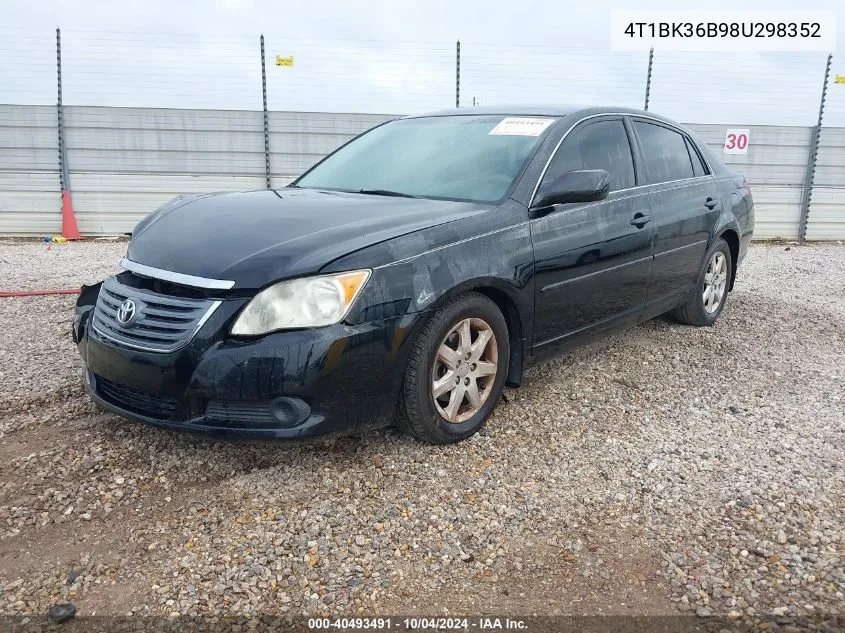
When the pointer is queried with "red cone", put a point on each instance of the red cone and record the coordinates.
(69, 228)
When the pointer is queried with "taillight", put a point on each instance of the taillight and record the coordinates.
(746, 186)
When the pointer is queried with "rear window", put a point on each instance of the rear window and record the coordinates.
(665, 152)
(697, 165)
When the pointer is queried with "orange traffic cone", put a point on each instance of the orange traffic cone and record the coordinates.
(69, 228)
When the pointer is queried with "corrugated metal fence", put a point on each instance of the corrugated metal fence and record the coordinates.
(30, 196)
(125, 162)
(827, 207)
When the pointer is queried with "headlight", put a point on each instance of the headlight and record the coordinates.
(299, 303)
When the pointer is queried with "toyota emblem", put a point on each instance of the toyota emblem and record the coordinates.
(126, 313)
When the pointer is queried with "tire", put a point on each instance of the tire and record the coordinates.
(421, 414)
(696, 310)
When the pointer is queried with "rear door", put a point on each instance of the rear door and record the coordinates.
(685, 205)
(592, 260)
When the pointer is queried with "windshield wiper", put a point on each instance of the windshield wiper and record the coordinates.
(386, 192)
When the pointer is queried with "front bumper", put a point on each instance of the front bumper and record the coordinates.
(337, 379)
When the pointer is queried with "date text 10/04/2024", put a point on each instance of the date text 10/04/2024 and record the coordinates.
(418, 624)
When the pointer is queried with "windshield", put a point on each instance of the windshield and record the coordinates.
(455, 157)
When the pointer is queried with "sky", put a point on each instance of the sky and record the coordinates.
(394, 58)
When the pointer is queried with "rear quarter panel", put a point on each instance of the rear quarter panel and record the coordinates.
(737, 203)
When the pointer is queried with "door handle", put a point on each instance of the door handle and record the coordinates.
(710, 203)
(640, 220)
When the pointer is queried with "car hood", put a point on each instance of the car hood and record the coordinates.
(258, 237)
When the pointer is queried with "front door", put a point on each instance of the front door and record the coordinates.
(592, 260)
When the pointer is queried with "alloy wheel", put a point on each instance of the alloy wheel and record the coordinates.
(715, 282)
(464, 370)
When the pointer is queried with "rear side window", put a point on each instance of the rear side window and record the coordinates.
(599, 145)
(697, 166)
(665, 153)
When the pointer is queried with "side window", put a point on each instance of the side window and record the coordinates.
(697, 166)
(599, 145)
(665, 152)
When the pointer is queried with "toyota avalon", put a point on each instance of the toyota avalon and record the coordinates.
(412, 274)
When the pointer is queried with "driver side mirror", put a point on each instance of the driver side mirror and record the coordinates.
(582, 185)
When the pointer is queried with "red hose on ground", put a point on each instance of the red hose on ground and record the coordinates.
(37, 293)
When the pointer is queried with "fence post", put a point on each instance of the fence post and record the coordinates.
(64, 176)
(458, 74)
(69, 228)
(648, 77)
(266, 120)
(811, 158)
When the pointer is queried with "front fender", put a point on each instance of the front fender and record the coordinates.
(501, 261)
(417, 273)
(419, 270)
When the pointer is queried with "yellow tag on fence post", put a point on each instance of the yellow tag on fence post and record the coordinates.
(284, 61)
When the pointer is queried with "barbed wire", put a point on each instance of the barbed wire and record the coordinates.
(223, 71)
(760, 88)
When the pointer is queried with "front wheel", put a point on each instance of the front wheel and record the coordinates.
(711, 292)
(456, 371)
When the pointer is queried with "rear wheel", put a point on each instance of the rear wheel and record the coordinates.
(456, 371)
(708, 300)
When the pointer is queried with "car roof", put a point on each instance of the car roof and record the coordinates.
(506, 109)
(576, 112)
(538, 110)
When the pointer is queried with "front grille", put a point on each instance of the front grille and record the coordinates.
(161, 323)
(145, 403)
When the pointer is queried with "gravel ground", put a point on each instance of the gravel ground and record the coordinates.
(666, 469)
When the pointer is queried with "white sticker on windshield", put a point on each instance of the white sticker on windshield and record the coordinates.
(519, 126)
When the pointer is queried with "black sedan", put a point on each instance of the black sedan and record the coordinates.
(409, 276)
